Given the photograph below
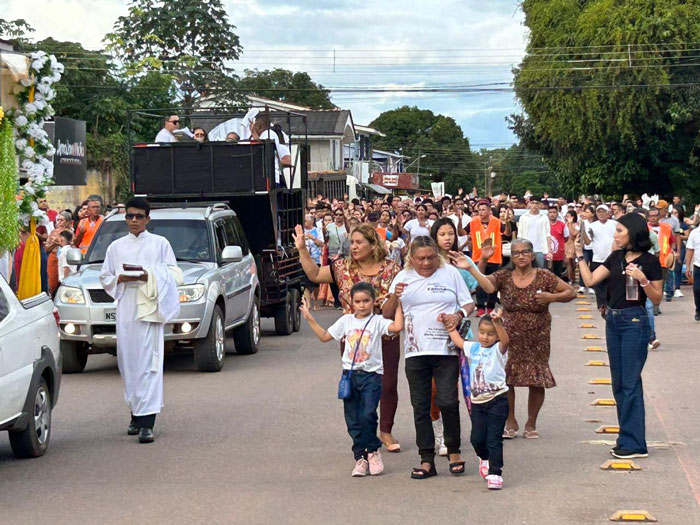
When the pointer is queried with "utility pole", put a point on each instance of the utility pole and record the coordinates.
(418, 167)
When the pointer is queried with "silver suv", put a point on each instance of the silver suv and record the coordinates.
(221, 290)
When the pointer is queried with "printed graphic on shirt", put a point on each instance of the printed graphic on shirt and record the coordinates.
(411, 342)
(352, 340)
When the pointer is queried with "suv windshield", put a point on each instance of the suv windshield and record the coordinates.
(189, 239)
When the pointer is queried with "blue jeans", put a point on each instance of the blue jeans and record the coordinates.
(540, 261)
(650, 315)
(488, 422)
(361, 412)
(669, 283)
(678, 271)
(627, 334)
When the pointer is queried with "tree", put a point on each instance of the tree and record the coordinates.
(286, 86)
(15, 31)
(607, 95)
(435, 145)
(193, 41)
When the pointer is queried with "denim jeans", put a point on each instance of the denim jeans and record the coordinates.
(627, 334)
(420, 371)
(650, 315)
(669, 283)
(361, 412)
(696, 288)
(488, 422)
(540, 261)
(678, 271)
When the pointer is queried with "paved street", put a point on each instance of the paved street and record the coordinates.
(264, 441)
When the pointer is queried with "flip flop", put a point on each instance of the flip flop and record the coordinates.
(531, 434)
(421, 473)
(457, 468)
(509, 433)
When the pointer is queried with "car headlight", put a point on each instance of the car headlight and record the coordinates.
(190, 292)
(71, 295)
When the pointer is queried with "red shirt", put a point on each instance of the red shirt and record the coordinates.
(556, 231)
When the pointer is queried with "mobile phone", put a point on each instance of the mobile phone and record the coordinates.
(132, 268)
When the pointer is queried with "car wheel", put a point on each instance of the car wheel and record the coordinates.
(296, 302)
(33, 441)
(247, 336)
(74, 356)
(284, 317)
(210, 352)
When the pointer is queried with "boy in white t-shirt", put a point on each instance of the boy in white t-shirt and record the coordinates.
(362, 361)
(487, 378)
(64, 269)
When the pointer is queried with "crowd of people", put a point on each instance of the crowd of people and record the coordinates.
(421, 266)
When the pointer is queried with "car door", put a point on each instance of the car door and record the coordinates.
(241, 298)
(226, 270)
(17, 338)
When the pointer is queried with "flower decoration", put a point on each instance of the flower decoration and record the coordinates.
(34, 149)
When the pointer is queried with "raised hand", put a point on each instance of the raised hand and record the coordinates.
(304, 308)
(299, 237)
(459, 260)
(487, 250)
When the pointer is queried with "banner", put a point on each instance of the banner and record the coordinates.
(70, 160)
(438, 189)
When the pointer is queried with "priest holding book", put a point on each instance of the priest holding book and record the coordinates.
(140, 272)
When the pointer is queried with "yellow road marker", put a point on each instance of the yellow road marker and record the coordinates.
(587, 325)
(585, 316)
(604, 403)
(608, 429)
(594, 349)
(596, 363)
(600, 381)
(638, 516)
(620, 464)
(591, 336)
(583, 302)
(583, 309)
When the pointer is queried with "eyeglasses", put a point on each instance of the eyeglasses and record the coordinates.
(174, 121)
(199, 135)
(338, 214)
(518, 253)
(131, 216)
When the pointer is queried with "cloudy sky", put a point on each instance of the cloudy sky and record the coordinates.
(384, 43)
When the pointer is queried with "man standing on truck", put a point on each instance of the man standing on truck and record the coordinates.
(141, 273)
(167, 134)
(262, 130)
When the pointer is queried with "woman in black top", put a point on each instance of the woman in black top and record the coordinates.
(627, 325)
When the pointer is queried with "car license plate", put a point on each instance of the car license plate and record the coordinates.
(111, 315)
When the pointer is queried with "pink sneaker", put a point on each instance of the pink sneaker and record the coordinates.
(376, 466)
(361, 468)
(483, 468)
(494, 482)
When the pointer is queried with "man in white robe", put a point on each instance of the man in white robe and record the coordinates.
(145, 303)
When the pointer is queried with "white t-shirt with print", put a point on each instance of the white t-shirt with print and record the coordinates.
(423, 299)
(466, 219)
(694, 244)
(416, 230)
(487, 371)
(602, 239)
(369, 358)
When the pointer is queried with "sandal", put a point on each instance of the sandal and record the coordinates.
(531, 434)
(421, 473)
(509, 433)
(457, 468)
(394, 447)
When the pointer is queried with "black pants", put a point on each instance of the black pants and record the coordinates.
(558, 268)
(144, 421)
(482, 298)
(488, 422)
(588, 257)
(600, 289)
(420, 371)
(696, 288)
(334, 288)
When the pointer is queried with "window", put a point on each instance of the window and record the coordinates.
(220, 235)
(242, 240)
(4, 306)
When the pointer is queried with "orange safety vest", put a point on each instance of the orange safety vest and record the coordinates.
(90, 229)
(479, 235)
(665, 243)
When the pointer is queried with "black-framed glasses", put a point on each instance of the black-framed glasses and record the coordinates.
(174, 121)
(131, 216)
(518, 253)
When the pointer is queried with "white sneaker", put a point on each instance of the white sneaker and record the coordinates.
(591, 291)
(483, 468)
(581, 289)
(439, 437)
(376, 466)
(653, 345)
(678, 293)
(494, 482)
(361, 468)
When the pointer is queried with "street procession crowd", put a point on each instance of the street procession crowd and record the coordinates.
(467, 280)
(423, 266)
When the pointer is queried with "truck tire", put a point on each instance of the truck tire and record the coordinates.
(284, 317)
(210, 352)
(247, 336)
(296, 302)
(74, 356)
(33, 441)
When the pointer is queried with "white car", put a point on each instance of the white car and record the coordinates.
(30, 370)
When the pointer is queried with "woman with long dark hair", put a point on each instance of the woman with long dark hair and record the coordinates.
(632, 274)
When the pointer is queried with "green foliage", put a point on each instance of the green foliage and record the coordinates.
(596, 135)
(191, 40)
(435, 144)
(15, 31)
(9, 182)
(284, 85)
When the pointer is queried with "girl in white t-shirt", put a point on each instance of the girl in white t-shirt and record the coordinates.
(420, 225)
(487, 380)
(362, 360)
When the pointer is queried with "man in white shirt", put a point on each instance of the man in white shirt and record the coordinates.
(599, 235)
(461, 220)
(170, 124)
(535, 228)
(261, 130)
(692, 266)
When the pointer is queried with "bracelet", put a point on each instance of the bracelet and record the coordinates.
(644, 285)
(460, 312)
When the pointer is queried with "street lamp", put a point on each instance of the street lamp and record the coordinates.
(412, 163)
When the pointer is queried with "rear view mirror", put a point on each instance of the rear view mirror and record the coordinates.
(74, 256)
(232, 254)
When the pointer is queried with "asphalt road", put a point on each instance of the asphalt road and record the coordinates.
(264, 441)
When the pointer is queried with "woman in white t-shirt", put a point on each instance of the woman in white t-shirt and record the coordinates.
(418, 226)
(426, 289)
